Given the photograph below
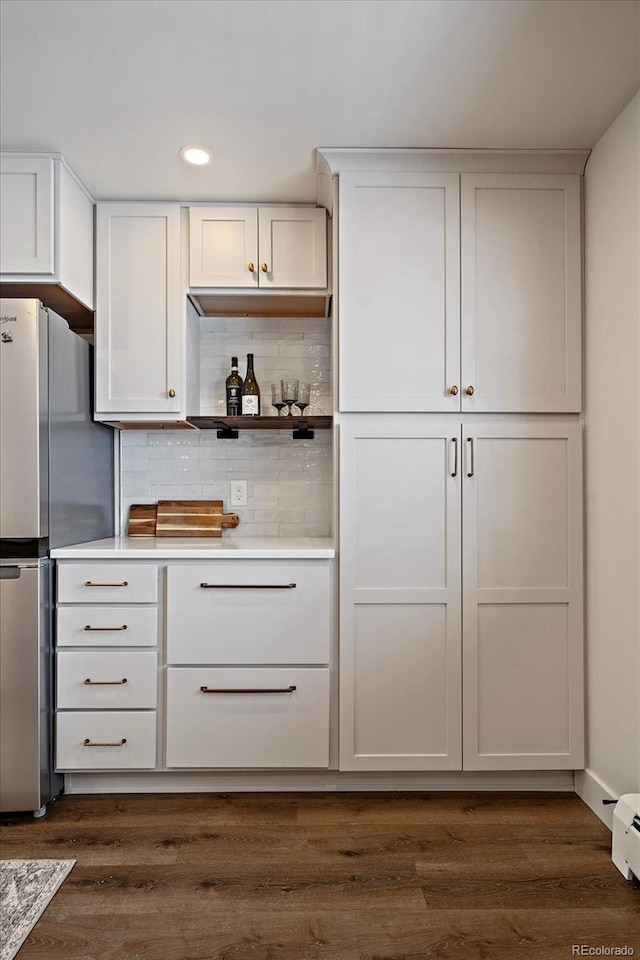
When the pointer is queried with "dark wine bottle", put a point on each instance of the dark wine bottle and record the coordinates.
(234, 390)
(250, 391)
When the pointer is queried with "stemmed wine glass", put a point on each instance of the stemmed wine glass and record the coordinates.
(289, 392)
(304, 392)
(276, 397)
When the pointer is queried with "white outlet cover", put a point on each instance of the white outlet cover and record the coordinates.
(238, 493)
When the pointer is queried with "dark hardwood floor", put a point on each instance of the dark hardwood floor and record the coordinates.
(373, 876)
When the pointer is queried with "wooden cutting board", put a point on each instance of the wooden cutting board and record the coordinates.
(180, 518)
(142, 520)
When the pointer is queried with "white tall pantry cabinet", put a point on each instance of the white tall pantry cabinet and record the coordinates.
(459, 369)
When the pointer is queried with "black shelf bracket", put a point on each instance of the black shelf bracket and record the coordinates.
(225, 432)
(303, 432)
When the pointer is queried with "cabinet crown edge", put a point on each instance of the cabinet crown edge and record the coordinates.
(336, 160)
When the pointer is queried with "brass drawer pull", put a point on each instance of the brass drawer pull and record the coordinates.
(105, 629)
(104, 683)
(247, 689)
(90, 583)
(117, 743)
(248, 586)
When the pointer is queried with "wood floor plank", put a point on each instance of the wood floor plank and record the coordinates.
(494, 934)
(326, 877)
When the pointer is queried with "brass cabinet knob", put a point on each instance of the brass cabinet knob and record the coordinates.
(251, 267)
(469, 391)
(172, 393)
(264, 267)
(453, 391)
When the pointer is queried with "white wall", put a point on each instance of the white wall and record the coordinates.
(612, 458)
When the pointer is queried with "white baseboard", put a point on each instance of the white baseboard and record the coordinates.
(313, 780)
(591, 789)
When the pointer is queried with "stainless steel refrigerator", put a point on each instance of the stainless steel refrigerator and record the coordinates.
(56, 488)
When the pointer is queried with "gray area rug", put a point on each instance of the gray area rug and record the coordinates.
(26, 887)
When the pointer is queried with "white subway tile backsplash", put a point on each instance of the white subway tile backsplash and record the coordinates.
(289, 481)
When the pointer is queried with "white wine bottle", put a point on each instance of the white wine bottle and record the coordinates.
(250, 391)
(233, 388)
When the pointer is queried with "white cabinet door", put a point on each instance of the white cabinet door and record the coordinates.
(140, 307)
(522, 615)
(292, 246)
(399, 292)
(400, 669)
(521, 293)
(26, 215)
(223, 247)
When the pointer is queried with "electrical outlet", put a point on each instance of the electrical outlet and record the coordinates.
(238, 496)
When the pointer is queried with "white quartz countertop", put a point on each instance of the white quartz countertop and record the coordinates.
(203, 548)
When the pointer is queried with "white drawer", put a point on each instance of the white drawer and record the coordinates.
(105, 741)
(106, 680)
(255, 612)
(112, 626)
(107, 582)
(248, 729)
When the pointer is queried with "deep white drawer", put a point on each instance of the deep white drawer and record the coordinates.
(255, 612)
(107, 582)
(112, 626)
(249, 728)
(105, 741)
(106, 680)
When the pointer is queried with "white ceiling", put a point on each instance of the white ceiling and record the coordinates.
(118, 86)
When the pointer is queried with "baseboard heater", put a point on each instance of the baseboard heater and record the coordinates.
(626, 836)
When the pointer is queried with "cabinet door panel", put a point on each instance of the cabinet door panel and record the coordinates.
(293, 245)
(522, 574)
(400, 656)
(26, 215)
(223, 242)
(139, 309)
(521, 293)
(400, 597)
(399, 292)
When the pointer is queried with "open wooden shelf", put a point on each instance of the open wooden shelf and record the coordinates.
(228, 427)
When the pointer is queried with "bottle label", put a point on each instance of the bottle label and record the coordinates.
(250, 405)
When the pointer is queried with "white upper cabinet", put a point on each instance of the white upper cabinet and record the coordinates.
(399, 292)
(275, 247)
(456, 301)
(223, 247)
(521, 293)
(46, 225)
(140, 312)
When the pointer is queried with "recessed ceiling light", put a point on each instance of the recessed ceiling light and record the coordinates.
(196, 155)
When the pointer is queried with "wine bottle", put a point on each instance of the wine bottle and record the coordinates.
(250, 391)
(233, 385)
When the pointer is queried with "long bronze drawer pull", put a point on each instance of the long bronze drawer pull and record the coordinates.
(247, 689)
(248, 586)
(105, 629)
(116, 743)
(473, 465)
(90, 583)
(104, 683)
